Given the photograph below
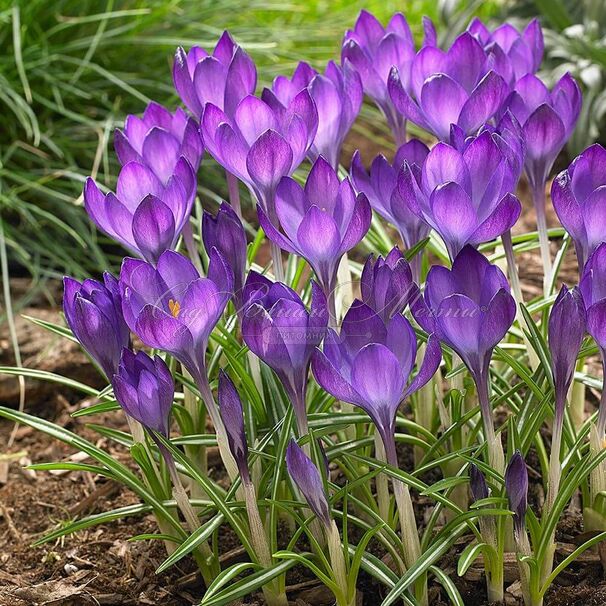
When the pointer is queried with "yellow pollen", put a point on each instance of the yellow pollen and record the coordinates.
(175, 307)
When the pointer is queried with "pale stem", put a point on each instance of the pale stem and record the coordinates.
(577, 398)
(234, 192)
(276, 257)
(192, 249)
(538, 198)
(496, 457)
(337, 562)
(258, 538)
(382, 482)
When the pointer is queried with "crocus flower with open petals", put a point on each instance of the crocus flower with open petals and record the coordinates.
(380, 187)
(170, 307)
(386, 284)
(372, 50)
(261, 144)
(369, 365)
(458, 87)
(93, 313)
(465, 196)
(469, 307)
(278, 329)
(547, 119)
(337, 95)
(524, 49)
(158, 139)
(307, 479)
(143, 215)
(145, 389)
(223, 78)
(321, 222)
(225, 232)
(579, 199)
(516, 488)
(230, 408)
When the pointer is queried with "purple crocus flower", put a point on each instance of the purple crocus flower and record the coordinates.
(226, 233)
(143, 215)
(307, 478)
(386, 284)
(261, 144)
(158, 139)
(579, 199)
(469, 308)
(223, 78)
(457, 86)
(145, 390)
(369, 365)
(516, 488)
(337, 95)
(278, 329)
(524, 50)
(547, 119)
(321, 222)
(372, 50)
(567, 324)
(230, 408)
(477, 483)
(593, 289)
(380, 187)
(93, 313)
(170, 307)
(464, 195)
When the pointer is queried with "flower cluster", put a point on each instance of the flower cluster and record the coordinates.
(267, 337)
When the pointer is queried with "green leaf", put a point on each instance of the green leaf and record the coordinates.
(468, 556)
(449, 586)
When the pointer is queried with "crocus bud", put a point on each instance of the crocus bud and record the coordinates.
(593, 288)
(386, 284)
(226, 233)
(158, 139)
(440, 92)
(465, 195)
(230, 408)
(145, 390)
(477, 483)
(567, 323)
(307, 479)
(321, 222)
(93, 313)
(223, 78)
(578, 196)
(516, 488)
(144, 215)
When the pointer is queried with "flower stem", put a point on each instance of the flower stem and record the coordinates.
(337, 562)
(234, 193)
(192, 249)
(538, 199)
(276, 257)
(496, 457)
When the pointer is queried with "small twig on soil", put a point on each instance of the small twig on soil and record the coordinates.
(9, 522)
(103, 490)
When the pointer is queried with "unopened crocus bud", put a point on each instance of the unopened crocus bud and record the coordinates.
(477, 483)
(386, 284)
(516, 488)
(93, 313)
(226, 233)
(567, 323)
(307, 479)
(230, 408)
(145, 389)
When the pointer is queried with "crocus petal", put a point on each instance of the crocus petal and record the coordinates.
(153, 228)
(502, 218)
(484, 102)
(497, 320)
